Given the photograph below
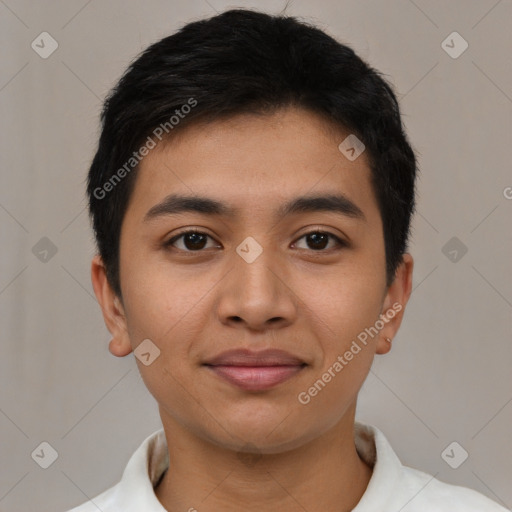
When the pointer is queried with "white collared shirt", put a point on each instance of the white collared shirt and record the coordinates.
(392, 487)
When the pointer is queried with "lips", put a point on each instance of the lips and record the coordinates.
(255, 371)
(245, 357)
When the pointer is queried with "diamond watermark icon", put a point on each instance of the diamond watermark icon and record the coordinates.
(44, 250)
(454, 249)
(351, 147)
(146, 352)
(249, 249)
(454, 45)
(44, 45)
(454, 455)
(45, 455)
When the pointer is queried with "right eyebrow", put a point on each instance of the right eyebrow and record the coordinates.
(174, 204)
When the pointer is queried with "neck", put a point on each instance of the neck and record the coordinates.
(323, 474)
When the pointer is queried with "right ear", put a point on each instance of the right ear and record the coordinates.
(112, 309)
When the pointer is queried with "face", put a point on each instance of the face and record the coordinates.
(266, 267)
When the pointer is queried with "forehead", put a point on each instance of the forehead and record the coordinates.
(253, 162)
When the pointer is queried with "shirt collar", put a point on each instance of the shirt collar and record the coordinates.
(144, 469)
(149, 462)
(375, 450)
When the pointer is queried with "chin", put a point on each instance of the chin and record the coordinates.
(268, 433)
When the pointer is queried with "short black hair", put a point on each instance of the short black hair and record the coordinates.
(244, 61)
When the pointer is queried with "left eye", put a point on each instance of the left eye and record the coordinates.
(317, 240)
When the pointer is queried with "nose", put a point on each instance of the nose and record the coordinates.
(257, 295)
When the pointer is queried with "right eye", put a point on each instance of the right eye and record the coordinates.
(193, 240)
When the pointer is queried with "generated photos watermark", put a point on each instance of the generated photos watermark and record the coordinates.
(304, 397)
(137, 156)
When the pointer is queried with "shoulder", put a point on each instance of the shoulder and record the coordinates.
(425, 492)
(395, 487)
(135, 489)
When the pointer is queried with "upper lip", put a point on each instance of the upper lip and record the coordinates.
(246, 357)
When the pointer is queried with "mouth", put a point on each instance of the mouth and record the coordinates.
(255, 371)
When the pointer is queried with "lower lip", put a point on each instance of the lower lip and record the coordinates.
(256, 378)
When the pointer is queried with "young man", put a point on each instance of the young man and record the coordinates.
(251, 198)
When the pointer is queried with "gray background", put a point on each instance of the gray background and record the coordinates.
(448, 376)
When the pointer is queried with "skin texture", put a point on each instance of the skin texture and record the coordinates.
(231, 449)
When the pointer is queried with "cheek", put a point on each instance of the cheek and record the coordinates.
(343, 312)
(172, 310)
(157, 297)
(344, 308)
(345, 302)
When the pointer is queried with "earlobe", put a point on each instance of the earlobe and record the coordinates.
(119, 348)
(383, 345)
(113, 313)
(394, 303)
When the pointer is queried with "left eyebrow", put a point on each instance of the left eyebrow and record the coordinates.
(338, 203)
(175, 204)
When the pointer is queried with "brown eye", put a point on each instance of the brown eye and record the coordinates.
(319, 240)
(192, 241)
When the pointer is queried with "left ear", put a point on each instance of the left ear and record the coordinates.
(395, 300)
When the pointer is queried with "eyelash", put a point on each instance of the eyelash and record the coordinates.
(340, 243)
